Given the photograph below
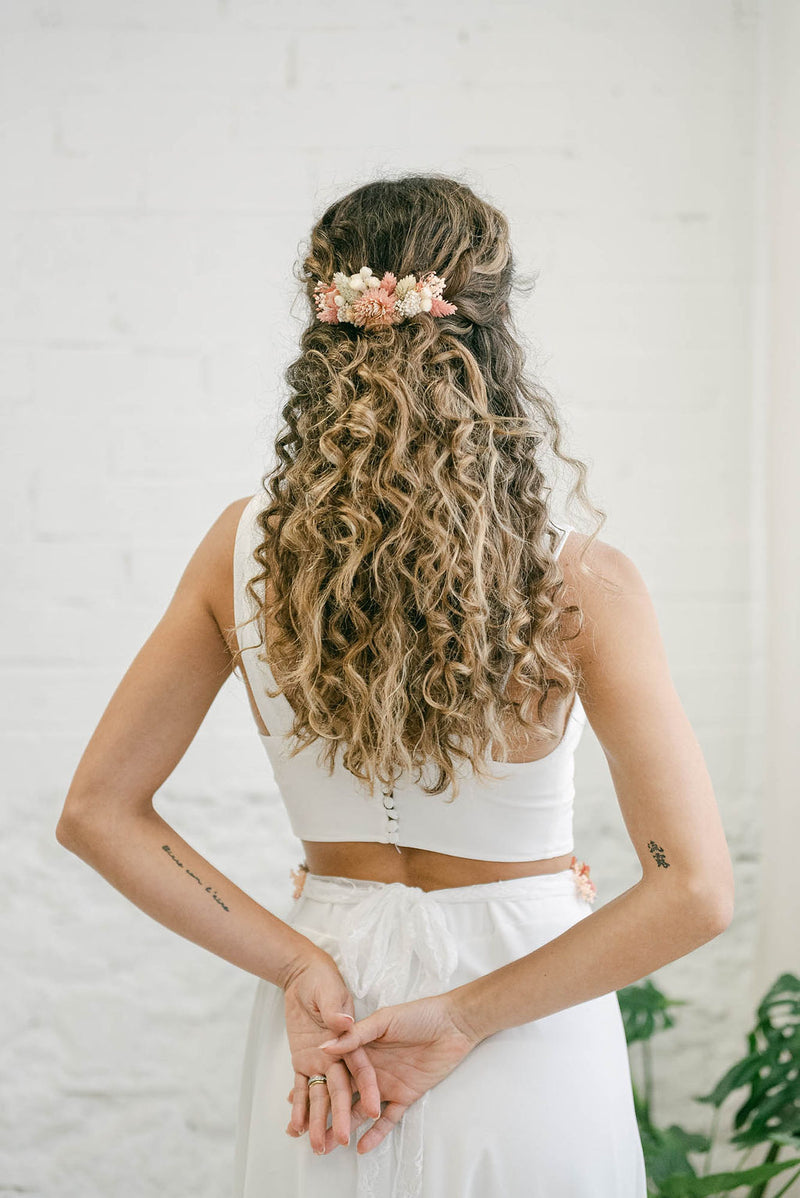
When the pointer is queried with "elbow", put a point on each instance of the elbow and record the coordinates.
(88, 818)
(717, 921)
(725, 913)
(713, 906)
(703, 908)
(73, 823)
(68, 829)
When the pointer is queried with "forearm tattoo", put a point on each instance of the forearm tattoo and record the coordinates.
(658, 854)
(208, 889)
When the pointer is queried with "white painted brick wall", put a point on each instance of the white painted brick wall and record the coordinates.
(164, 159)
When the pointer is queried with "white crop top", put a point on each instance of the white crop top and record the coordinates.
(524, 813)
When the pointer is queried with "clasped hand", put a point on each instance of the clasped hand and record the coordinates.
(390, 1058)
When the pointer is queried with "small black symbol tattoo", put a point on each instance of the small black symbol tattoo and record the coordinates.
(209, 889)
(658, 854)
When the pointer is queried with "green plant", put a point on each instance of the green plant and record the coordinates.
(769, 1114)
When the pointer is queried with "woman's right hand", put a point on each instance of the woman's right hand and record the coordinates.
(316, 1003)
(412, 1046)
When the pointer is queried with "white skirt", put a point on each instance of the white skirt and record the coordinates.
(541, 1110)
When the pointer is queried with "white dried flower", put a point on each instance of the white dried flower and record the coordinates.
(342, 282)
(406, 284)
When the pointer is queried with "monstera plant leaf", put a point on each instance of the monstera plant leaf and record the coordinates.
(680, 1186)
(771, 1070)
(645, 1010)
(666, 1152)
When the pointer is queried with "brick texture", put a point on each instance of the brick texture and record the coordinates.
(164, 162)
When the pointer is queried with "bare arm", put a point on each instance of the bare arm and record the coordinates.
(685, 895)
(109, 820)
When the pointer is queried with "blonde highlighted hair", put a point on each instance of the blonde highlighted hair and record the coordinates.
(405, 530)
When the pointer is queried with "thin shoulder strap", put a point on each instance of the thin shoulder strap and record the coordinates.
(277, 712)
(565, 530)
(244, 568)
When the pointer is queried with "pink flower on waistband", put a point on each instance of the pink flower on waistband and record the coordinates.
(299, 878)
(586, 886)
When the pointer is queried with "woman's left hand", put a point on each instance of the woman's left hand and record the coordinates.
(413, 1046)
(317, 1004)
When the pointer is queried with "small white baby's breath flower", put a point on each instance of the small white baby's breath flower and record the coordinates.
(410, 304)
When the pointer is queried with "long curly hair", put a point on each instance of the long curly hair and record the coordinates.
(406, 538)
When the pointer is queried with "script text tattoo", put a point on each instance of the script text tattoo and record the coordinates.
(208, 889)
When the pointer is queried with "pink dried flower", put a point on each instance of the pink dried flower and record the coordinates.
(435, 285)
(586, 887)
(373, 309)
(441, 307)
(324, 298)
(299, 878)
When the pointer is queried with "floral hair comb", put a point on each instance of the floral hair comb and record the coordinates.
(370, 302)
